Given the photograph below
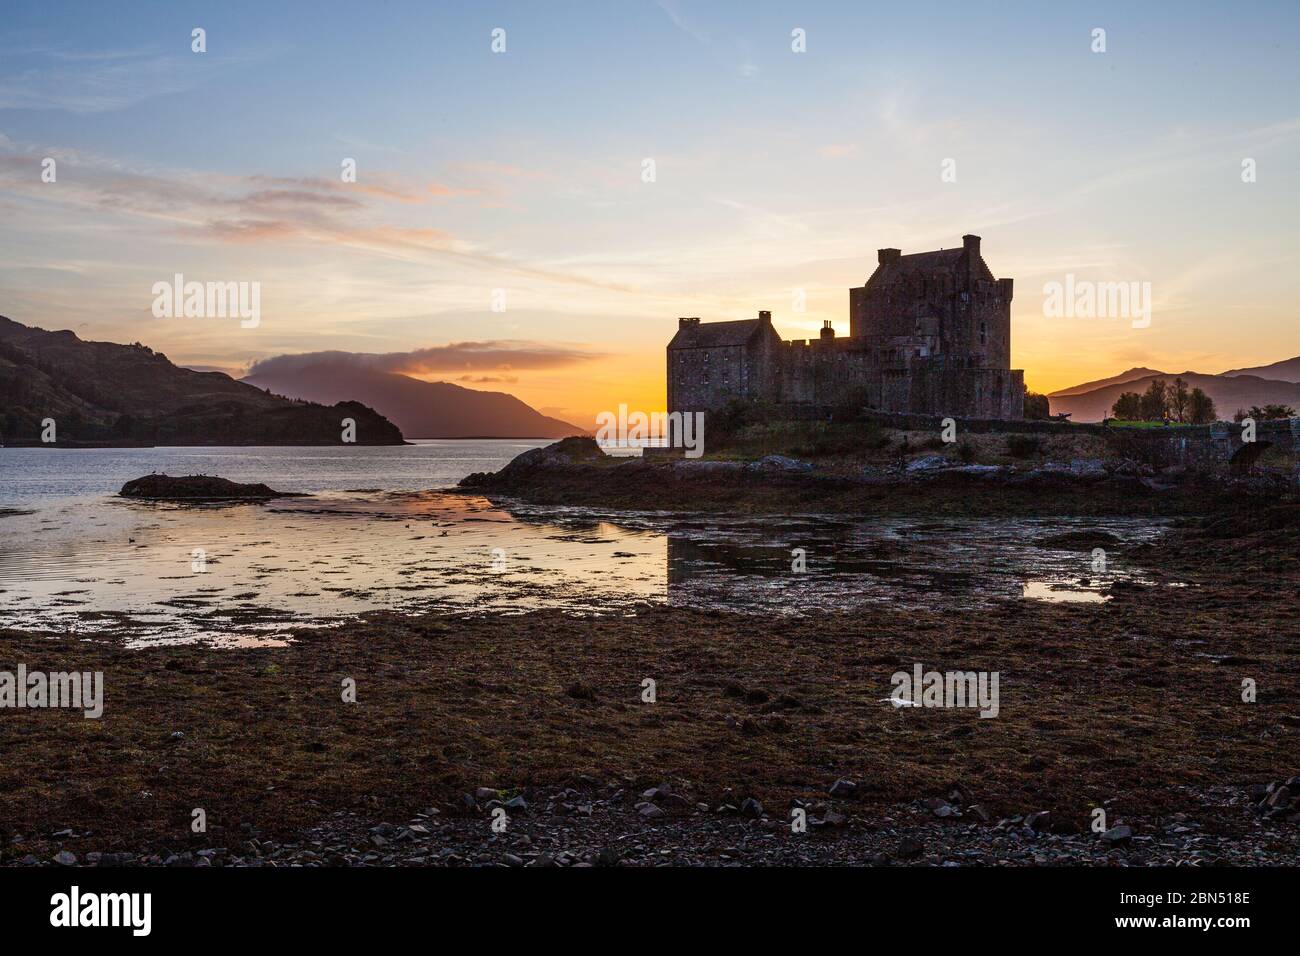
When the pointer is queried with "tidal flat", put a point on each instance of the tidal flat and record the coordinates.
(1133, 704)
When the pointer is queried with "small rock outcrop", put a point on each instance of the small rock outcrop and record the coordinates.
(197, 488)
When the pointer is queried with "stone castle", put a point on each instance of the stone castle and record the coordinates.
(929, 334)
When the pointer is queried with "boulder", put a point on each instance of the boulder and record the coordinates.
(198, 488)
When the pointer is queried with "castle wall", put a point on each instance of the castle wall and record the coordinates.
(929, 334)
(845, 372)
(706, 378)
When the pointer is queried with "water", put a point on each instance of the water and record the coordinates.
(37, 476)
(381, 532)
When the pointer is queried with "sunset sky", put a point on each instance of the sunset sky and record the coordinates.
(521, 171)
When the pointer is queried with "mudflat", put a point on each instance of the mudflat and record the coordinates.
(1134, 706)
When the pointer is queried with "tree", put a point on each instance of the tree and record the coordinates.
(1036, 405)
(1200, 408)
(1179, 400)
(1128, 407)
(1155, 401)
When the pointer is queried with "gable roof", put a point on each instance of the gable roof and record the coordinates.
(715, 334)
(940, 260)
(926, 263)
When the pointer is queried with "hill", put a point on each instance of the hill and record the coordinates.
(100, 392)
(1131, 375)
(1230, 392)
(420, 409)
(1287, 370)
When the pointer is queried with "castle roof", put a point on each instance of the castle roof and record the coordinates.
(714, 334)
(941, 260)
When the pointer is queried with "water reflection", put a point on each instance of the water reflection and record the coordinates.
(95, 564)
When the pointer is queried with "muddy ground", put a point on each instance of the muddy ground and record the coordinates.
(1134, 705)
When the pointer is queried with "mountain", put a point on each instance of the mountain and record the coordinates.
(420, 409)
(1230, 392)
(1131, 375)
(1287, 370)
(130, 394)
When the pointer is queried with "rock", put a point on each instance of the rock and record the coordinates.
(516, 803)
(830, 819)
(485, 793)
(843, 788)
(751, 808)
(197, 488)
(65, 858)
(980, 471)
(1117, 835)
(608, 856)
(927, 463)
(512, 860)
(649, 811)
(1088, 467)
(908, 848)
(1279, 798)
(1038, 821)
(688, 467)
(779, 463)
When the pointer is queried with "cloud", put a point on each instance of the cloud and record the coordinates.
(837, 150)
(103, 82)
(469, 357)
(681, 22)
(243, 210)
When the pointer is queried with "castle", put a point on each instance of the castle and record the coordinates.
(929, 334)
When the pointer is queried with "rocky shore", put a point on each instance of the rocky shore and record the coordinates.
(587, 825)
(576, 472)
(1133, 706)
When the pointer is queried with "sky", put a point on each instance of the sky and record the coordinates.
(504, 232)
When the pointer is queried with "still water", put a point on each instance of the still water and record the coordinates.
(380, 531)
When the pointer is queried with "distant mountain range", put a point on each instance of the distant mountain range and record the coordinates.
(420, 409)
(99, 392)
(1278, 383)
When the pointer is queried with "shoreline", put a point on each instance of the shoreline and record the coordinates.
(1133, 706)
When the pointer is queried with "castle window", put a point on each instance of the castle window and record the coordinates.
(984, 333)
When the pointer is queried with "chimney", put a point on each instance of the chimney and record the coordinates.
(764, 318)
(683, 322)
(971, 244)
(888, 255)
(828, 331)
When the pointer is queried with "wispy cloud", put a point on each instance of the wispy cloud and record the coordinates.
(468, 357)
(86, 82)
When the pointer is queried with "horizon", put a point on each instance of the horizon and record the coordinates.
(516, 179)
